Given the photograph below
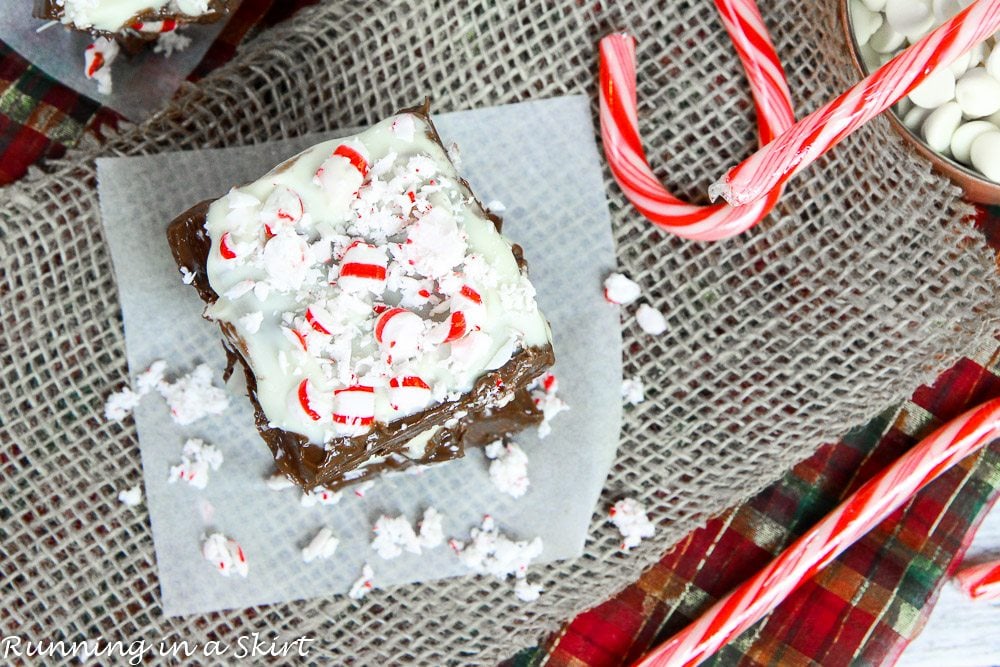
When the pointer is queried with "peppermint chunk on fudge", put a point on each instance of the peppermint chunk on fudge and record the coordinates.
(380, 317)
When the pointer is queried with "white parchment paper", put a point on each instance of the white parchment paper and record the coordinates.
(141, 84)
(541, 161)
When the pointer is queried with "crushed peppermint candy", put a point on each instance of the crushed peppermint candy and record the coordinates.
(489, 551)
(650, 320)
(169, 42)
(621, 290)
(363, 487)
(320, 496)
(120, 404)
(322, 546)
(279, 482)
(97, 60)
(431, 532)
(225, 554)
(193, 396)
(366, 268)
(197, 458)
(364, 583)
(393, 535)
(187, 276)
(130, 497)
(543, 393)
(509, 468)
(629, 517)
(633, 391)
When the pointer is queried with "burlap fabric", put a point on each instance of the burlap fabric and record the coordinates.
(866, 281)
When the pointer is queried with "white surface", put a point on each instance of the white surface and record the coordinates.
(960, 632)
(539, 158)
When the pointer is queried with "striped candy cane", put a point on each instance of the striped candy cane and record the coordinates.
(757, 177)
(862, 511)
(980, 582)
(623, 146)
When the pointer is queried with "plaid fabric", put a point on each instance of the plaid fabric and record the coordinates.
(863, 609)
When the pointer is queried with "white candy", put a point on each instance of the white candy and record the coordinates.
(865, 21)
(509, 468)
(961, 141)
(978, 93)
(945, 9)
(130, 497)
(620, 289)
(633, 391)
(870, 58)
(903, 107)
(322, 546)
(936, 89)
(941, 125)
(985, 155)
(225, 554)
(886, 40)
(910, 18)
(365, 583)
(409, 394)
(362, 269)
(393, 535)
(651, 320)
(961, 64)
(353, 410)
(286, 260)
(915, 117)
(993, 62)
(874, 5)
(282, 207)
(431, 531)
(399, 333)
(629, 517)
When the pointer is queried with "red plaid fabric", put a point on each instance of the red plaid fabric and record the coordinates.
(863, 609)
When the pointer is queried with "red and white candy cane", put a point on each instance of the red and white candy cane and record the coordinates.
(758, 176)
(623, 146)
(980, 582)
(852, 519)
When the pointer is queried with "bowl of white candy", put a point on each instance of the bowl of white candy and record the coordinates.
(953, 117)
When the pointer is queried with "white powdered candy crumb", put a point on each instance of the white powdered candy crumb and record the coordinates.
(633, 391)
(151, 378)
(392, 536)
(279, 482)
(252, 321)
(491, 552)
(651, 320)
(168, 42)
(496, 206)
(527, 592)
(192, 397)
(97, 59)
(431, 529)
(365, 583)
(197, 459)
(120, 404)
(320, 496)
(543, 393)
(187, 276)
(363, 487)
(619, 289)
(130, 497)
(509, 469)
(225, 554)
(322, 546)
(629, 517)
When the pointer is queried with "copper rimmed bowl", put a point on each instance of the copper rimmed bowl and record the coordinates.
(977, 187)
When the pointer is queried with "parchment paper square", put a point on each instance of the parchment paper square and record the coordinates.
(541, 161)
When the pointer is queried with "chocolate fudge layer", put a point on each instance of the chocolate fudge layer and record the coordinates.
(380, 317)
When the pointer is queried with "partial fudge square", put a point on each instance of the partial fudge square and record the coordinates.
(380, 317)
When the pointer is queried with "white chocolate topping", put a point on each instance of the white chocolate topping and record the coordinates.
(366, 282)
(113, 15)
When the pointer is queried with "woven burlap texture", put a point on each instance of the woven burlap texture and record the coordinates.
(866, 280)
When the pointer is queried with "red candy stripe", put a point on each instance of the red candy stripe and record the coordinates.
(355, 158)
(471, 294)
(408, 381)
(383, 319)
(358, 270)
(458, 327)
(356, 387)
(225, 249)
(304, 400)
(311, 319)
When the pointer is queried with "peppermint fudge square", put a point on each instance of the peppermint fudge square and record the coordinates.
(380, 317)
